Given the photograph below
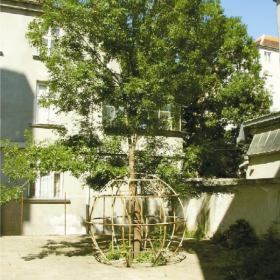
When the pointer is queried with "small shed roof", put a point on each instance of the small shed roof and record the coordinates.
(258, 125)
(266, 142)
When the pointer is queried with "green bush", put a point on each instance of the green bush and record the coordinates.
(240, 234)
(258, 263)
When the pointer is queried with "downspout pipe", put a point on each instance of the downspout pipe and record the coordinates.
(278, 18)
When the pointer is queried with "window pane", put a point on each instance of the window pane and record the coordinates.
(41, 112)
(45, 42)
(31, 191)
(109, 114)
(57, 184)
(46, 186)
(44, 115)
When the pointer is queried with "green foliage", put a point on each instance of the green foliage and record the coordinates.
(240, 234)
(145, 257)
(8, 194)
(261, 262)
(96, 35)
(37, 158)
(198, 234)
(224, 90)
(114, 256)
(151, 257)
(117, 252)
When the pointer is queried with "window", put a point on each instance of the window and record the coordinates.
(49, 186)
(166, 118)
(267, 56)
(49, 39)
(109, 113)
(164, 114)
(44, 115)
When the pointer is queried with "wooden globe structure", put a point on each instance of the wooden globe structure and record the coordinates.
(144, 204)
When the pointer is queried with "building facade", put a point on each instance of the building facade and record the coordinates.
(57, 203)
(269, 58)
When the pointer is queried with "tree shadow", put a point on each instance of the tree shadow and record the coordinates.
(213, 258)
(78, 248)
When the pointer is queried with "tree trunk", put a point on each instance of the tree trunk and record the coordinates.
(136, 214)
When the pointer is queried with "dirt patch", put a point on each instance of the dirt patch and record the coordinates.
(210, 257)
(73, 257)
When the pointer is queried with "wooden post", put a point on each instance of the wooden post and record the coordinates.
(65, 213)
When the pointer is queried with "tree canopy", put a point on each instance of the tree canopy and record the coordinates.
(137, 57)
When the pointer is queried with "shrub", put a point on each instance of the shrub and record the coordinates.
(240, 234)
(258, 263)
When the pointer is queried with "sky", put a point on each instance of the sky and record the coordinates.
(260, 16)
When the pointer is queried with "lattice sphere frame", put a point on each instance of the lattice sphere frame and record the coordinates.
(161, 219)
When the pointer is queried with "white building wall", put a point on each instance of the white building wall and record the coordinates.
(271, 71)
(20, 75)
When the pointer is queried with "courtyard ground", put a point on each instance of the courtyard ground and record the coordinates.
(71, 257)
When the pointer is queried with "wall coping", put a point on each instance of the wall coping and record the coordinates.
(234, 182)
(46, 201)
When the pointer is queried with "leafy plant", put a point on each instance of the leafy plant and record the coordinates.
(145, 257)
(259, 262)
(240, 234)
(8, 194)
(197, 234)
(117, 252)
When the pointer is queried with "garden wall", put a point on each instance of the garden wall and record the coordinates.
(256, 201)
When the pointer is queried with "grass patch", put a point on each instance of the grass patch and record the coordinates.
(197, 234)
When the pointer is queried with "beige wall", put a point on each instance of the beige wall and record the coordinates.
(20, 73)
(256, 201)
(264, 166)
(49, 216)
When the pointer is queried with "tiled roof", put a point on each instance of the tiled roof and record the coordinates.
(268, 41)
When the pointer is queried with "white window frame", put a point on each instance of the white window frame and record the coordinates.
(49, 38)
(48, 186)
(267, 56)
(44, 115)
(165, 114)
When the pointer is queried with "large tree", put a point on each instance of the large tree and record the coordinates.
(133, 35)
(174, 53)
(224, 89)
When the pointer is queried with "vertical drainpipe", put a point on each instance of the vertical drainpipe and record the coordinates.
(278, 18)
(87, 208)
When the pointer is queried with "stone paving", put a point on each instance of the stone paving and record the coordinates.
(70, 257)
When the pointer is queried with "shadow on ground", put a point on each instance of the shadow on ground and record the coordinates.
(81, 247)
(212, 257)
